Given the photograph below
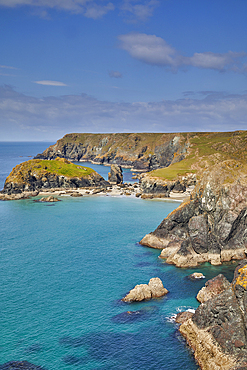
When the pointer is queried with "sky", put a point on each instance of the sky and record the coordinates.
(121, 66)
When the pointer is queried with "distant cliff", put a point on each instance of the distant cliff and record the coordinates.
(142, 151)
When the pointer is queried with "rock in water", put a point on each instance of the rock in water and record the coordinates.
(116, 175)
(196, 275)
(20, 365)
(154, 289)
(217, 330)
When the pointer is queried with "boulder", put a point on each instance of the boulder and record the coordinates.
(154, 289)
(196, 275)
(116, 175)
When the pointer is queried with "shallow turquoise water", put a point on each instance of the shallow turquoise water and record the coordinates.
(64, 268)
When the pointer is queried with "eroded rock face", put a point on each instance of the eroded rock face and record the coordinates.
(154, 289)
(116, 174)
(211, 226)
(217, 330)
(212, 288)
(137, 150)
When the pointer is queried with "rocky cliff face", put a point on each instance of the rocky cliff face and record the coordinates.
(217, 331)
(212, 225)
(140, 151)
(115, 176)
(36, 175)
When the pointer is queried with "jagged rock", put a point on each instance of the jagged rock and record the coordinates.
(217, 330)
(212, 288)
(211, 226)
(181, 317)
(154, 289)
(116, 175)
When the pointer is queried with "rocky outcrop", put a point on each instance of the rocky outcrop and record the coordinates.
(49, 199)
(153, 185)
(196, 275)
(115, 177)
(154, 289)
(141, 151)
(217, 330)
(212, 288)
(181, 317)
(36, 175)
(212, 225)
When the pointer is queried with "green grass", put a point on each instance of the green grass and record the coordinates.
(60, 167)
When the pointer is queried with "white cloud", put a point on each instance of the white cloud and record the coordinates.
(149, 49)
(50, 83)
(51, 117)
(89, 8)
(115, 74)
(139, 9)
(7, 67)
(154, 50)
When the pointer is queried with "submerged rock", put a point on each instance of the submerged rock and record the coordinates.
(154, 289)
(50, 199)
(20, 365)
(217, 330)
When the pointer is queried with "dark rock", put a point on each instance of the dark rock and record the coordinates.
(209, 227)
(116, 175)
(20, 365)
(217, 331)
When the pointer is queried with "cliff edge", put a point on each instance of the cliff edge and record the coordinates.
(217, 330)
(211, 224)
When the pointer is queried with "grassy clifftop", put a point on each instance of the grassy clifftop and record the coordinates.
(207, 150)
(40, 168)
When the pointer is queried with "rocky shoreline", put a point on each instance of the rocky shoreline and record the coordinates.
(217, 330)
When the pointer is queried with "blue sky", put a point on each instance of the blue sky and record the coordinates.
(121, 66)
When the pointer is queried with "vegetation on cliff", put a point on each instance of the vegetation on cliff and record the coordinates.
(207, 150)
(35, 167)
(38, 174)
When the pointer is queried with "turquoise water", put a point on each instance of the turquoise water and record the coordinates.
(64, 268)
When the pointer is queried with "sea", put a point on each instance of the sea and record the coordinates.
(64, 268)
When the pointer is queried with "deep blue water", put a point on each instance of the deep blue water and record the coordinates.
(64, 269)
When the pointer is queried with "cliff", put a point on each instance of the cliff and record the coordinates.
(142, 151)
(211, 224)
(217, 330)
(37, 174)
